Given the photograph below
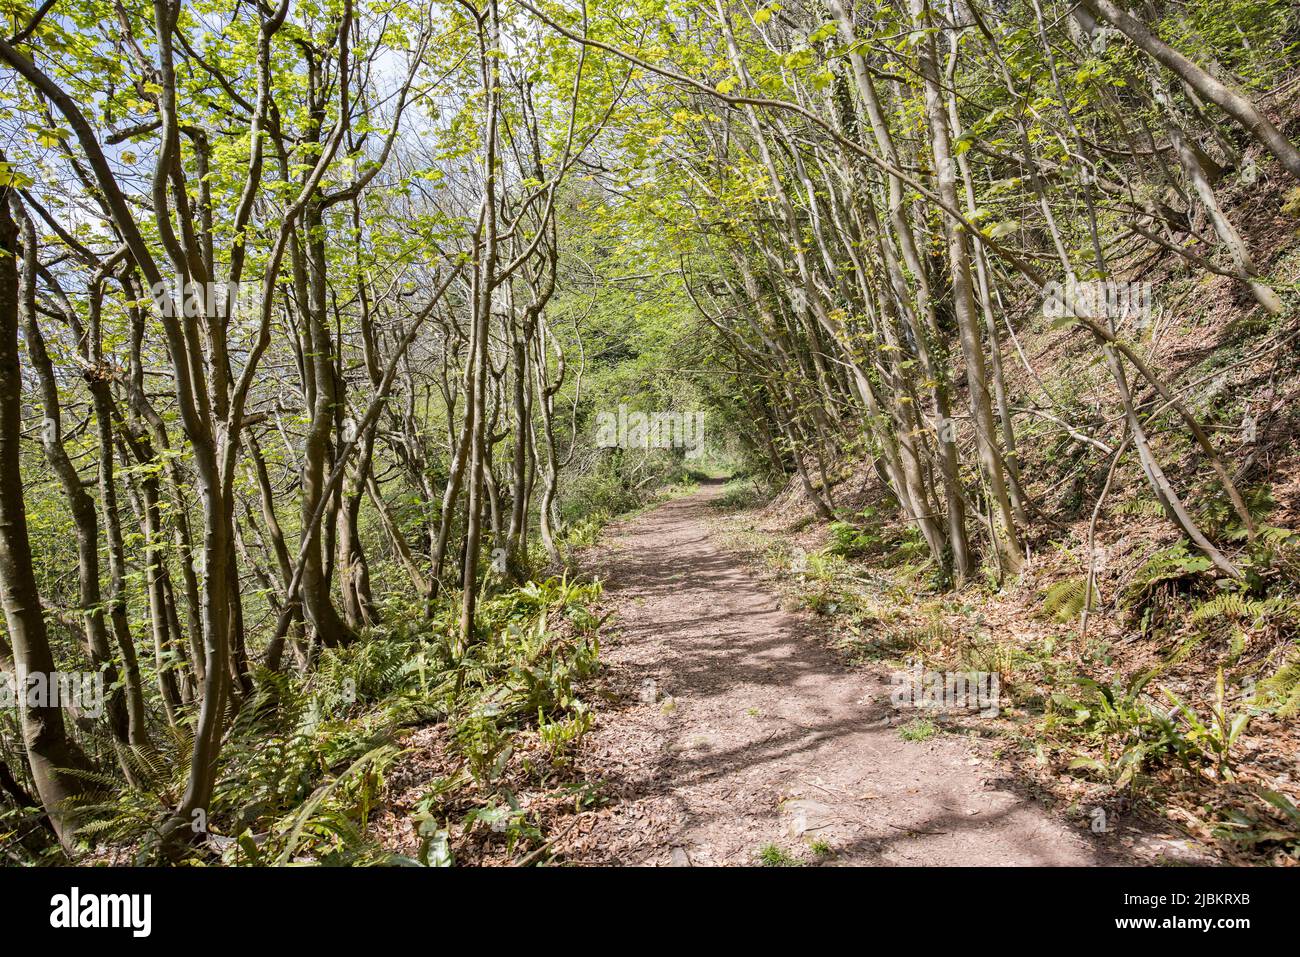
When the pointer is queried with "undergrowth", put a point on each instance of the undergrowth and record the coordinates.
(1169, 731)
(306, 756)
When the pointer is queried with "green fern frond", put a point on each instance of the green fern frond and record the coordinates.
(1172, 564)
(149, 763)
(1228, 605)
(1236, 606)
(1064, 600)
(108, 782)
(1282, 689)
(1143, 507)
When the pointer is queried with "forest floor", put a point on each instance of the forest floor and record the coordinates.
(738, 736)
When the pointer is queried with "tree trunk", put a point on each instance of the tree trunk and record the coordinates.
(1235, 104)
(51, 754)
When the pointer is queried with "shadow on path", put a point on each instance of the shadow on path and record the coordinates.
(736, 728)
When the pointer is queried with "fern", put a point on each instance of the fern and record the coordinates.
(1141, 507)
(381, 756)
(305, 756)
(1272, 534)
(1282, 689)
(1064, 600)
(1231, 605)
(1173, 564)
(1236, 606)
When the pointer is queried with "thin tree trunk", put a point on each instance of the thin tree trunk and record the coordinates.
(51, 754)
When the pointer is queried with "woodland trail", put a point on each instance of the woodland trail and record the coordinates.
(738, 728)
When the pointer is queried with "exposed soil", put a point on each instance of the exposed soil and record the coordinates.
(737, 728)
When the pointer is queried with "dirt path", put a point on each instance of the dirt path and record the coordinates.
(739, 729)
